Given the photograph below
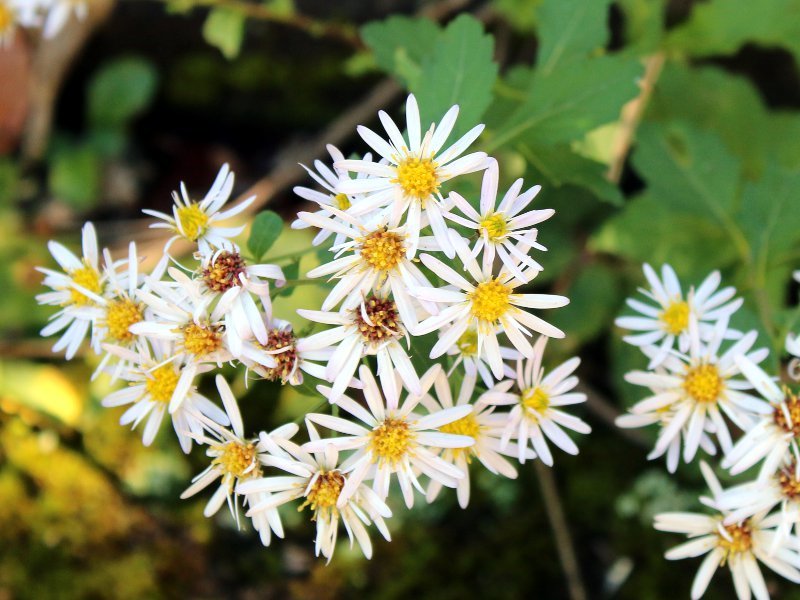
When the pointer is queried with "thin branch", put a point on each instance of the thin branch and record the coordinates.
(563, 539)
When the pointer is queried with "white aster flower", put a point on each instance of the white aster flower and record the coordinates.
(774, 438)
(158, 383)
(699, 389)
(79, 290)
(319, 480)
(465, 351)
(488, 305)
(329, 180)
(411, 180)
(373, 328)
(500, 226)
(482, 424)
(373, 260)
(197, 221)
(234, 459)
(393, 440)
(179, 313)
(740, 545)
(536, 414)
(668, 321)
(225, 274)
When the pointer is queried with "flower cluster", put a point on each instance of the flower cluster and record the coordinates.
(413, 274)
(49, 15)
(698, 388)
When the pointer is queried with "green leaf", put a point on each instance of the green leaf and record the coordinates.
(460, 70)
(568, 103)
(648, 230)
(562, 166)
(723, 26)
(224, 29)
(644, 25)
(400, 44)
(570, 31)
(76, 176)
(121, 90)
(264, 232)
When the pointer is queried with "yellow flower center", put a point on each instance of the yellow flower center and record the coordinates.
(741, 539)
(675, 317)
(535, 399)
(382, 250)
(490, 300)
(235, 458)
(324, 494)
(391, 439)
(703, 383)
(495, 226)
(467, 344)
(201, 340)
(464, 426)
(384, 322)
(161, 383)
(792, 403)
(121, 314)
(417, 177)
(342, 201)
(224, 272)
(6, 18)
(193, 221)
(88, 278)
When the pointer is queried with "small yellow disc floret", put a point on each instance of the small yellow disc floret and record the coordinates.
(703, 383)
(741, 539)
(342, 201)
(193, 221)
(88, 278)
(675, 317)
(201, 340)
(236, 458)
(495, 226)
(324, 494)
(382, 250)
(120, 315)
(490, 300)
(417, 177)
(161, 383)
(390, 441)
(535, 399)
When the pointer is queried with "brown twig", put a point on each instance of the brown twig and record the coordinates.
(563, 539)
(632, 115)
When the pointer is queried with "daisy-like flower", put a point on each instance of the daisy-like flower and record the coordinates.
(761, 496)
(536, 414)
(465, 351)
(416, 169)
(318, 479)
(329, 180)
(482, 424)
(179, 314)
(699, 389)
(393, 440)
(668, 321)
(500, 226)
(488, 305)
(158, 383)
(79, 290)
(774, 438)
(375, 260)
(198, 221)
(58, 13)
(373, 328)
(285, 356)
(227, 275)
(234, 458)
(740, 545)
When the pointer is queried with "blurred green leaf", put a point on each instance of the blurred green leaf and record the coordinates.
(121, 90)
(400, 44)
(644, 24)
(723, 26)
(460, 70)
(290, 271)
(264, 232)
(9, 176)
(76, 176)
(570, 31)
(520, 14)
(224, 29)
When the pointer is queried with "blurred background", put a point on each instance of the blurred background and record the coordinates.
(660, 130)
